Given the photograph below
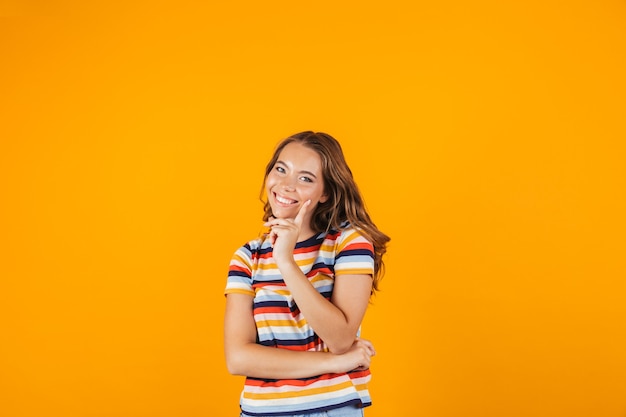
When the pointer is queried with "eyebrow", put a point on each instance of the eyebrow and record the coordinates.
(301, 172)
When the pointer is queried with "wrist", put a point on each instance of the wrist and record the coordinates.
(286, 265)
(291, 273)
(333, 363)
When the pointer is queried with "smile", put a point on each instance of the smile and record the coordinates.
(284, 200)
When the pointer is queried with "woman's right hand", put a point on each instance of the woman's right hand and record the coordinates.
(358, 357)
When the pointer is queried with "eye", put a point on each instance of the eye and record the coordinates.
(280, 169)
(306, 179)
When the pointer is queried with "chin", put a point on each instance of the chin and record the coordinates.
(279, 214)
(282, 212)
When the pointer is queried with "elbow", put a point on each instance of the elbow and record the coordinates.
(340, 347)
(231, 366)
(234, 368)
(235, 364)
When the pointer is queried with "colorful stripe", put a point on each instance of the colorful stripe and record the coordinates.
(281, 324)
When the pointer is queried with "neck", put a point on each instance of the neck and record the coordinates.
(305, 233)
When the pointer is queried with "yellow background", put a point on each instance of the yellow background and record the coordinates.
(487, 138)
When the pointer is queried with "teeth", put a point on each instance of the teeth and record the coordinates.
(284, 200)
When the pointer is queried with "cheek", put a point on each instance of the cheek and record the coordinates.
(321, 196)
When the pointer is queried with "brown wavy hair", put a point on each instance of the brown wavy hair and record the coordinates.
(344, 203)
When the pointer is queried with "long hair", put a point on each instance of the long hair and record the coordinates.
(344, 199)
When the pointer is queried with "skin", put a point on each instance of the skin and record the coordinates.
(294, 187)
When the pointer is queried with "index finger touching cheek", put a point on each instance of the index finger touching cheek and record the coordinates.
(302, 212)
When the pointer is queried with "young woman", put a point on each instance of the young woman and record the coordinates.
(296, 296)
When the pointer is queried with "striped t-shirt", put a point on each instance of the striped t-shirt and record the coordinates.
(280, 323)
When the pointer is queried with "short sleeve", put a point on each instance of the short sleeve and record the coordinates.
(354, 254)
(240, 273)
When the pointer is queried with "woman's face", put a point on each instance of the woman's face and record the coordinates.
(295, 178)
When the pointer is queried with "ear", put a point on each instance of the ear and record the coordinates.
(323, 198)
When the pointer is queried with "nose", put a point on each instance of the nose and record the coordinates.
(287, 187)
(288, 184)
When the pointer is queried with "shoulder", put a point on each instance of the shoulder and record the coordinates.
(349, 235)
(354, 253)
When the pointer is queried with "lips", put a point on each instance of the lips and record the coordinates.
(283, 200)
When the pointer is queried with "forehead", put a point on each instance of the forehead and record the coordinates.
(300, 157)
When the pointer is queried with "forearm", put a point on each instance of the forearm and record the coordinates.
(328, 321)
(259, 361)
(246, 357)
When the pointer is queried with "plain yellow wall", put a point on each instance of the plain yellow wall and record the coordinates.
(487, 138)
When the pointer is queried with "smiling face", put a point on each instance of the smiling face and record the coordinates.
(295, 178)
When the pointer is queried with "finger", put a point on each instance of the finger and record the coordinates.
(370, 347)
(367, 345)
(372, 351)
(365, 362)
(301, 213)
(278, 222)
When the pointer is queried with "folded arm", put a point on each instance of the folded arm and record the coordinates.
(336, 321)
(245, 357)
